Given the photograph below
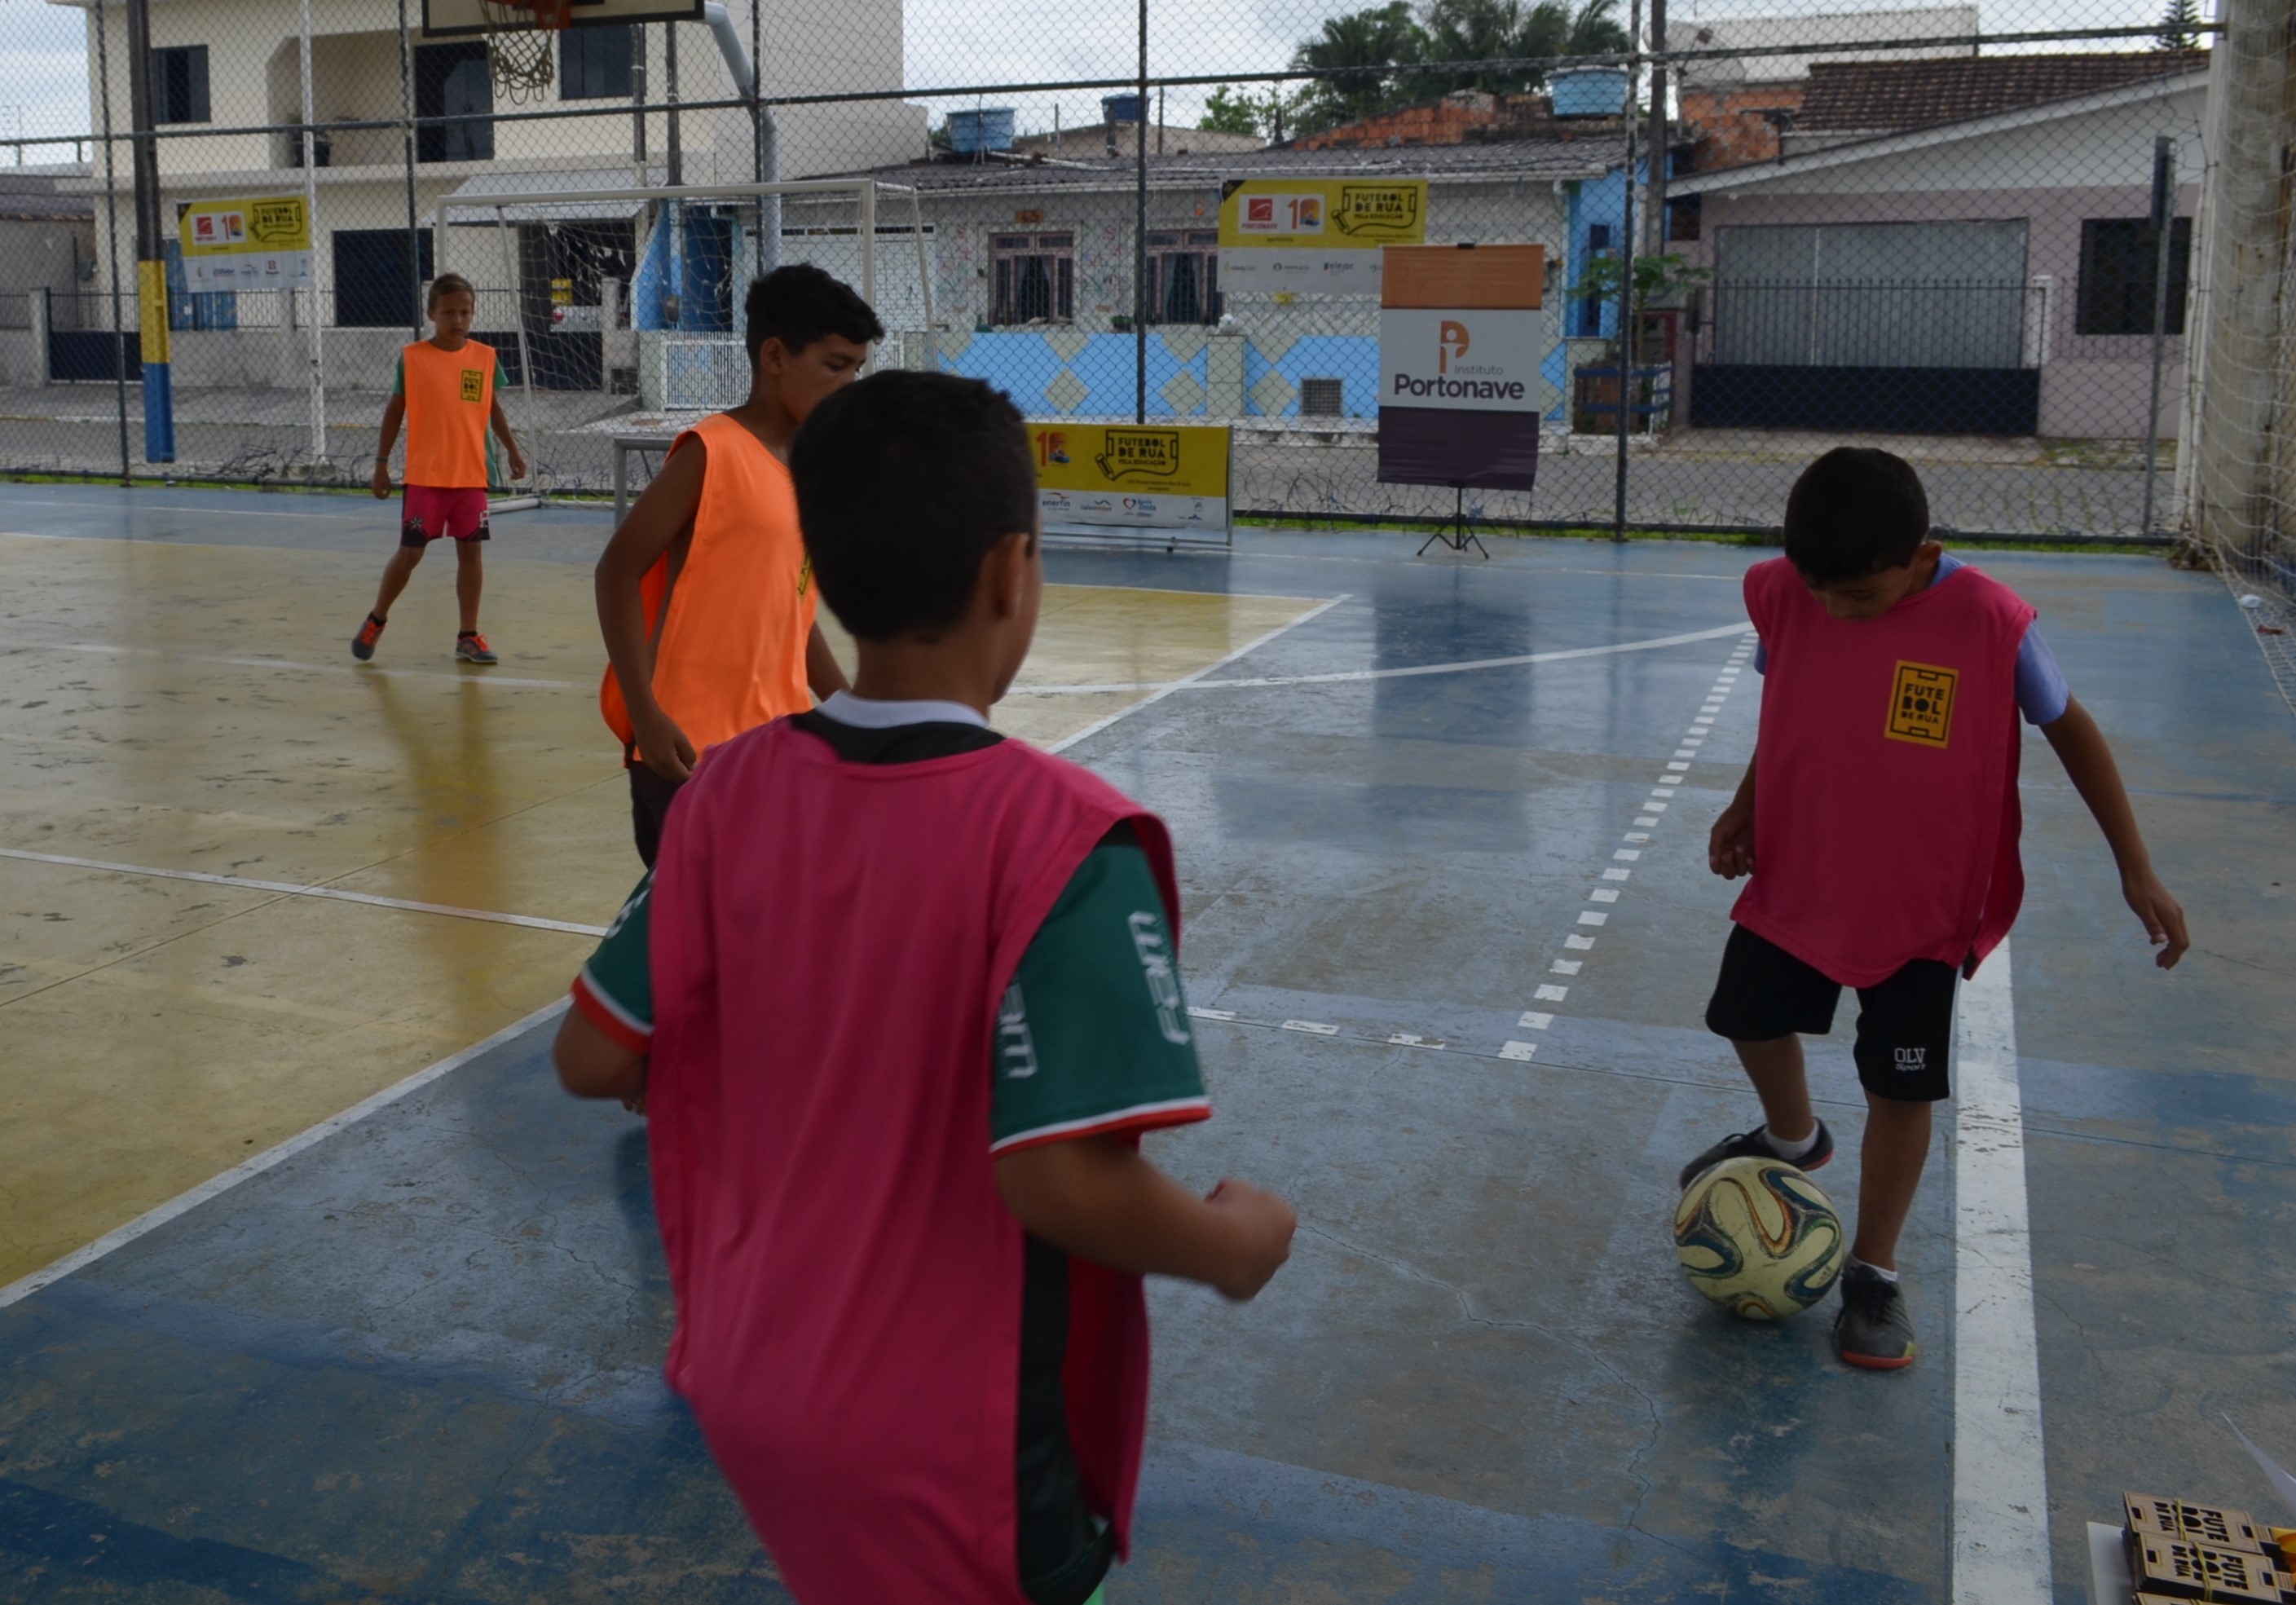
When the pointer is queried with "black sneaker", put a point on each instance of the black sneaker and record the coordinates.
(1750, 1145)
(1872, 1330)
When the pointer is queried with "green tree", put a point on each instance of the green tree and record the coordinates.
(1360, 50)
(1656, 279)
(1229, 110)
(1500, 31)
(1270, 115)
(2180, 27)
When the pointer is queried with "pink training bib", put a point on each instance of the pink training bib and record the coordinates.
(1885, 786)
(831, 942)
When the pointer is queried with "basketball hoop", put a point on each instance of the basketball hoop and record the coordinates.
(519, 44)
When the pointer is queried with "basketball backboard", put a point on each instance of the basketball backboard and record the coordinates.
(444, 19)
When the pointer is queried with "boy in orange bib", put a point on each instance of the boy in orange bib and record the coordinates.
(446, 391)
(705, 594)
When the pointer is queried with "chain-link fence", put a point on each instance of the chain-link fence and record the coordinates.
(1769, 229)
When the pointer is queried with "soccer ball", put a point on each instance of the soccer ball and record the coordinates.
(1759, 1237)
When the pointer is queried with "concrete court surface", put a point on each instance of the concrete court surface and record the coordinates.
(418, 1359)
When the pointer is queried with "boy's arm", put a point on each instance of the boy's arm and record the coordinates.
(2080, 747)
(604, 1040)
(500, 420)
(1098, 1199)
(1730, 843)
(592, 1064)
(823, 672)
(394, 413)
(663, 512)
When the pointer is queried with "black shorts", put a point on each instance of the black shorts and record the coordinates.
(1905, 1024)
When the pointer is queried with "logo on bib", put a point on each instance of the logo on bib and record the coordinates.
(1921, 707)
(474, 385)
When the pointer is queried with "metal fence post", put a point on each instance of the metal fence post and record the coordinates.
(1140, 232)
(2164, 226)
(111, 239)
(311, 221)
(414, 228)
(1626, 276)
(150, 243)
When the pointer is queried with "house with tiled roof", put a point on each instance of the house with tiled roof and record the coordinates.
(1741, 83)
(1947, 246)
(1031, 269)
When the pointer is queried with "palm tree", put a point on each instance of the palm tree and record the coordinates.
(1493, 30)
(1352, 46)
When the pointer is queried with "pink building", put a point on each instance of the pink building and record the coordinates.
(1947, 247)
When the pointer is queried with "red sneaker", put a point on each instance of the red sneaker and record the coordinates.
(472, 648)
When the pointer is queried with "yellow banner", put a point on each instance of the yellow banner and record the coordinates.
(1322, 214)
(1120, 460)
(260, 225)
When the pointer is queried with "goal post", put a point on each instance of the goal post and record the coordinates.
(693, 250)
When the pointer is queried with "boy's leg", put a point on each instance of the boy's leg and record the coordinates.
(470, 580)
(1904, 1030)
(1890, 1173)
(650, 799)
(1763, 1001)
(1782, 1082)
(396, 573)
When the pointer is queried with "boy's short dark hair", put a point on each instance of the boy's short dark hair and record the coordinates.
(448, 283)
(1855, 512)
(904, 481)
(799, 304)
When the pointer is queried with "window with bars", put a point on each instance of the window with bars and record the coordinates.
(179, 84)
(1034, 278)
(1184, 276)
(2119, 266)
(593, 63)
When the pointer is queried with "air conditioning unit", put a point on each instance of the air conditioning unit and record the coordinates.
(1323, 398)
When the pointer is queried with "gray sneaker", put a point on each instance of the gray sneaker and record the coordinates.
(1871, 1329)
(472, 648)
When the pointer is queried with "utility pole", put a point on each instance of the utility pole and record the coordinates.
(151, 241)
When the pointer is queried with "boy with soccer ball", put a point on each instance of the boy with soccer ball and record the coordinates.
(1879, 824)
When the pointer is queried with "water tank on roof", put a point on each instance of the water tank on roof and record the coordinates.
(1589, 91)
(990, 128)
(1120, 108)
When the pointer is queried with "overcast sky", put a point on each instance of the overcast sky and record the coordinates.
(44, 73)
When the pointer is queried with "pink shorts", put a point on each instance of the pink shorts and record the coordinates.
(430, 513)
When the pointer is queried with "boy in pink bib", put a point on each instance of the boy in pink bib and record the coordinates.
(900, 999)
(1879, 824)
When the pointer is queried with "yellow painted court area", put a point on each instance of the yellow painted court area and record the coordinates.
(195, 708)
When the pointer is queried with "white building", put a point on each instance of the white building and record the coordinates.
(227, 76)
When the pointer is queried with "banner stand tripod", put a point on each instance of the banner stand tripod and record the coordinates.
(1456, 530)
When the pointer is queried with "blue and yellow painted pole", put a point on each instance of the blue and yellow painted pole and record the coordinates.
(158, 391)
(150, 243)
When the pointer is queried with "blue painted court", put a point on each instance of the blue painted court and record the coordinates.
(247, 892)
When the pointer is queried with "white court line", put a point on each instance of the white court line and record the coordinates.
(1198, 681)
(289, 888)
(1160, 692)
(2000, 1474)
(288, 663)
(246, 1169)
